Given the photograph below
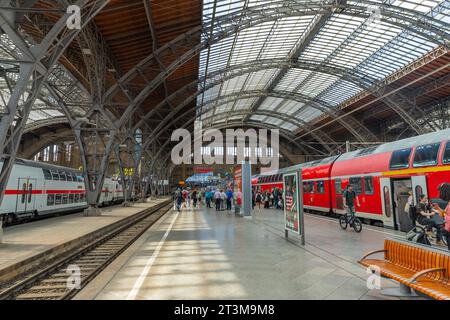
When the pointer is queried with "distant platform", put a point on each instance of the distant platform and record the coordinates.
(203, 254)
(25, 241)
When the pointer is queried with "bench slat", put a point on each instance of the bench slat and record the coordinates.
(402, 261)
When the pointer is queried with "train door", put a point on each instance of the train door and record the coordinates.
(386, 203)
(25, 201)
(401, 190)
(419, 186)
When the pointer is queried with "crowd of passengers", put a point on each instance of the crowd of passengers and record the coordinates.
(428, 214)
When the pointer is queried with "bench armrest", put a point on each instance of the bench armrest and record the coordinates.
(371, 253)
(424, 272)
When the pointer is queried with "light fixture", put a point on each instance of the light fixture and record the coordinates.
(86, 51)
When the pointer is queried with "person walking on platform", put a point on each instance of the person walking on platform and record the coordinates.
(194, 199)
(208, 197)
(223, 200)
(276, 196)
(217, 199)
(349, 200)
(178, 199)
(199, 199)
(185, 198)
(258, 199)
(229, 199)
(253, 199)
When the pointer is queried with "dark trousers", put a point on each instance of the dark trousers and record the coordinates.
(208, 202)
(195, 202)
(218, 204)
(446, 235)
(431, 224)
(228, 204)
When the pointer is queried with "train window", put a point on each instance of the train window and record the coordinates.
(65, 199)
(57, 199)
(24, 192)
(69, 176)
(426, 155)
(321, 187)
(77, 198)
(311, 186)
(356, 182)
(82, 196)
(62, 176)
(368, 185)
(47, 174)
(55, 175)
(71, 198)
(51, 200)
(400, 159)
(446, 156)
(305, 187)
(30, 192)
(418, 191)
(338, 186)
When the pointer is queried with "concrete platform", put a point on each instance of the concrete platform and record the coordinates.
(205, 255)
(30, 239)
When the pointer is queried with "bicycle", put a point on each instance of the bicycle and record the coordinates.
(433, 236)
(352, 221)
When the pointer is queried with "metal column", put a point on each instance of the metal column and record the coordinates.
(246, 189)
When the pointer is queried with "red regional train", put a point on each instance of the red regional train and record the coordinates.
(382, 176)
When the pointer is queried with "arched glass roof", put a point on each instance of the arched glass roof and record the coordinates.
(369, 47)
(45, 109)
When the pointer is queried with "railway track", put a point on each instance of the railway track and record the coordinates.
(63, 279)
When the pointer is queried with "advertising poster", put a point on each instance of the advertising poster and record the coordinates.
(238, 179)
(291, 203)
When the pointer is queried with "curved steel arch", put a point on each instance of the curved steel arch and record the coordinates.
(433, 30)
(355, 127)
(163, 126)
(350, 75)
(44, 123)
(284, 133)
(295, 96)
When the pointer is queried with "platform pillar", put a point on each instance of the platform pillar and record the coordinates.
(246, 189)
(92, 212)
(1, 230)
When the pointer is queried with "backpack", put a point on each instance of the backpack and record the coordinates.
(258, 197)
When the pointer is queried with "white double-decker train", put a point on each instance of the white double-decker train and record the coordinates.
(36, 189)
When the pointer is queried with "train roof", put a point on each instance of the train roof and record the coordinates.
(297, 167)
(42, 165)
(433, 137)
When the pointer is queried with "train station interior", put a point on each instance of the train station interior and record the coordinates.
(225, 150)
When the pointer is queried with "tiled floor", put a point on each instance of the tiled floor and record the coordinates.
(219, 256)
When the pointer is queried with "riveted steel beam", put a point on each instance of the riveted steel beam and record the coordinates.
(436, 31)
(45, 54)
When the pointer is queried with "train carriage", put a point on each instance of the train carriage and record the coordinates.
(382, 177)
(37, 189)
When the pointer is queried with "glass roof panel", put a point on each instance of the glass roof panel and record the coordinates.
(369, 48)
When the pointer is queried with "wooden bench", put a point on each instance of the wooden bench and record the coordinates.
(423, 269)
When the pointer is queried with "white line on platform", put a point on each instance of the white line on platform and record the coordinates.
(137, 286)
